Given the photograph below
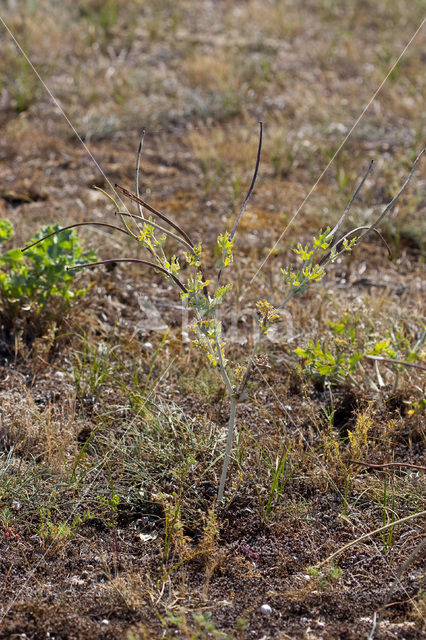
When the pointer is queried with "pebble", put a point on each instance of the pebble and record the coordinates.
(266, 609)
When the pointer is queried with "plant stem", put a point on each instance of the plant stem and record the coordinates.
(368, 535)
(117, 260)
(235, 396)
(388, 465)
(222, 369)
(231, 427)
(250, 364)
(157, 226)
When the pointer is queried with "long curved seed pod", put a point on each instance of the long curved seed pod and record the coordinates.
(138, 164)
(392, 203)
(78, 224)
(376, 231)
(117, 206)
(155, 212)
(159, 227)
(373, 226)
(339, 242)
(107, 195)
(351, 201)
(253, 180)
(138, 260)
(249, 192)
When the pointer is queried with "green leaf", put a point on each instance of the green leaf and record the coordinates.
(6, 230)
(301, 352)
(12, 257)
(32, 278)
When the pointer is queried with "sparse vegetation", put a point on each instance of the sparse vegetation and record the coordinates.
(112, 427)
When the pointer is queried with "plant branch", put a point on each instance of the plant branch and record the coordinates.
(155, 213)
(231, 427)
(117, 206)
(138, 163)
(159, 227)
(72, 226)
(392, 203)
(350, 233)
(338, 243)
(387, 465)
(373, 226)
(250, 365)
(249, 192)
(368, 535)
(393, 361)
(137, 260)
(222, 369)
(289, 296)
(351, 201)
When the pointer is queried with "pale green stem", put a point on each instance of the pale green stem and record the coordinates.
(235, 396)
(163, 255)
(231, 424)
(289, 297)
(231, 427)
(222, 369)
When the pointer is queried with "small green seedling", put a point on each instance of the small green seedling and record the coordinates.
(325, 577)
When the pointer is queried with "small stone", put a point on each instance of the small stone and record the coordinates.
(146, 537)
(266, 609)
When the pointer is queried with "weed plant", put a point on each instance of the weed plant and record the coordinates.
(352, 344)
(36, 288)
(204, 296)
